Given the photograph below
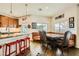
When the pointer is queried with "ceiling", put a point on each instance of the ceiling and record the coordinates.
(42, 9)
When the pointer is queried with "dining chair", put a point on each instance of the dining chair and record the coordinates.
(44, 41)
(62, 44)
(43, 38)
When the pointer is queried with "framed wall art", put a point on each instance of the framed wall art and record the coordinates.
(71, 22)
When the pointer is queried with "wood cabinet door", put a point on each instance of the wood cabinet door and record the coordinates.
(0, 21)
(11, 22)
(4, 21)
(15, 22)
(7, 21)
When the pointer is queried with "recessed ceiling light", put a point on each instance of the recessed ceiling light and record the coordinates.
(26, 4)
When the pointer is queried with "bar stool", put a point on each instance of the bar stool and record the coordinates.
(27, 39)
(22, 45)
(0, 46)
(9, 47)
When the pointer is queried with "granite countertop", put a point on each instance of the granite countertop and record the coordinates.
(3, 41)
(8, 32)
(9, 36)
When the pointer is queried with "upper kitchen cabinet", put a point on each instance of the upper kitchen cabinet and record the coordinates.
(8, 22)
(15, 22)
(11, 22)
(0, 21)
(4, 21)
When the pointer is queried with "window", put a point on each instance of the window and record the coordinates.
(39, 26)
(59, 27)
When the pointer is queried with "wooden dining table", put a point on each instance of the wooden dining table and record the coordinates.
(53, 39)
(54, 35)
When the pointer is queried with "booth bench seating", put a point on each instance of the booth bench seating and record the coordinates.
(35, 36)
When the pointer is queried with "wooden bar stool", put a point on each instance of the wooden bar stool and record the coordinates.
(22, 45)
(9, 47)
(0, 46)
(28, 41)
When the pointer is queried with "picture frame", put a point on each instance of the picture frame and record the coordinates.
(71, 22)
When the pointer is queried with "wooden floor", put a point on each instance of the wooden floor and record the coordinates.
(36, 50)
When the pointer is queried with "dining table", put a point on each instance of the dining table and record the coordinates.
(53, 39)
(54, 36)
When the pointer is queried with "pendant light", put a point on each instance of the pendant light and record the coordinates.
(11, 13)
(7, 28)
(26, 10)
(29, 26)
(25, 17)
(11, 8)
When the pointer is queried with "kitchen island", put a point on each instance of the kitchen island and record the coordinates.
(5, 40)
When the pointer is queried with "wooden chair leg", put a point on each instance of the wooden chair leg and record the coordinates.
(16, 50)
(68, 51)
(6, 51)
(19, 47)
(3, 49)
(9, 50)
(29, 44)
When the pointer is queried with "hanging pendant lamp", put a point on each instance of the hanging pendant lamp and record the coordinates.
(11, 8)
(29, 26)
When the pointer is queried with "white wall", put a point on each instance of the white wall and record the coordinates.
(77, 41)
